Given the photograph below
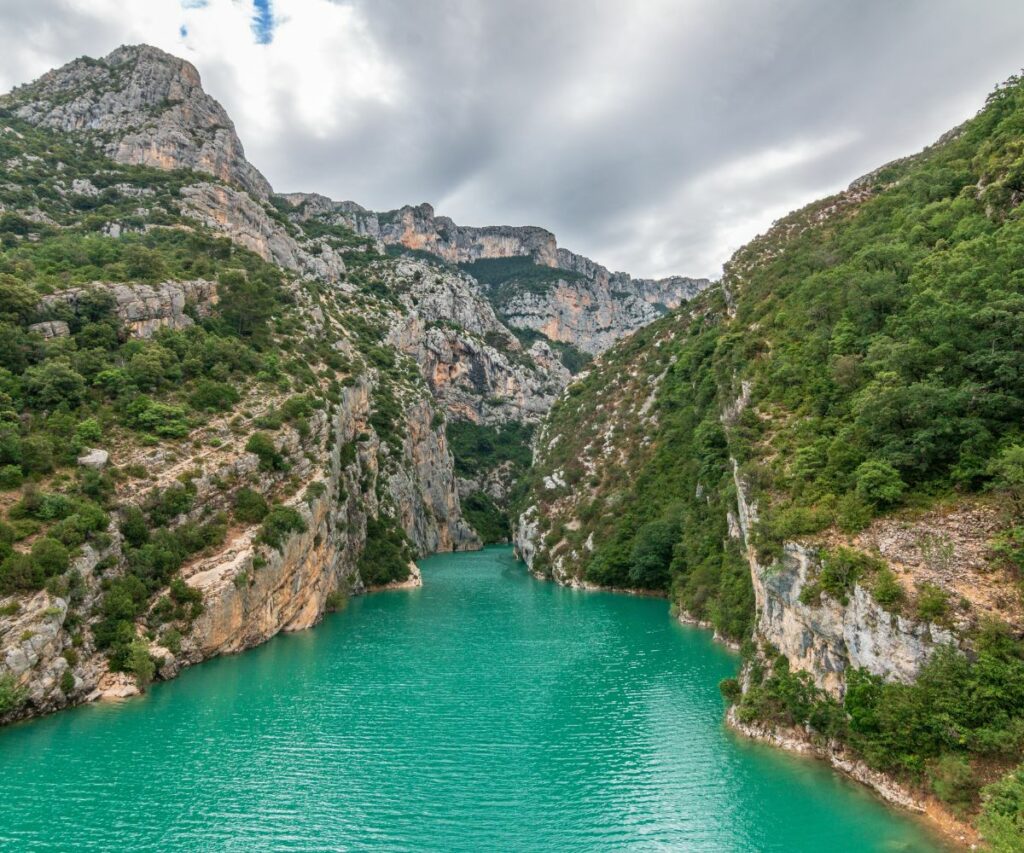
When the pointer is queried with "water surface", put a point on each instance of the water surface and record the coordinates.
(486, 711)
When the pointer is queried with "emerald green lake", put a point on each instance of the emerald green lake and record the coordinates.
(486, 711)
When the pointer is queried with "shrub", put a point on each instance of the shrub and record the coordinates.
(140, 664)
(160, 419)
(953, 782)
(54, 384)
(730, 690)
(263, 446)
(336, 601)
(1008, 475)
(886, 589)
(932, 602)
(67, 682)
(652, 553)
(1002, 814)
(279, 522)
(386, 554)
(250, 506)
(11, 694)
(213, 396)
(170, 639)
(19, 573)
(50, 556)
(88, 431)
(168, 504)
(10, 477)
(878, 483)
(134, 527)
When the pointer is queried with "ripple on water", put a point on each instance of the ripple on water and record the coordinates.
(485, 711)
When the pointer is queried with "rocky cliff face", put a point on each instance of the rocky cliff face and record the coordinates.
(143, 106)
(474, 365)
(418, 228)
(251, 591)
(142, 308)
(826, 636)
(589, 308)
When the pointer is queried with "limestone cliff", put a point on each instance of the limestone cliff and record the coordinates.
(474, 365)
(251, 591)
(144, 106)
(588, 307)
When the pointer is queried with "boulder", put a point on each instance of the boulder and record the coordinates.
(94, 458)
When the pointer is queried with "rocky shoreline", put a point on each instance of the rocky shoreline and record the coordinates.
(801, 742)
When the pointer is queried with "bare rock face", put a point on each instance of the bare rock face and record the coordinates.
(144, 308)
(51, 329)
(472, 363)
(246, 222)
(590, 308)
(95, 458)
(829, 636)
(418, 228)
(593, 307)
(145, 107)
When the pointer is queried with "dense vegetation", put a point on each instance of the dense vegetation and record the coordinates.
(480, 451)
(884, 343)
(657, 514)
(864, 356)
(505, 278)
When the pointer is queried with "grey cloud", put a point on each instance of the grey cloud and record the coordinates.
(607, 122)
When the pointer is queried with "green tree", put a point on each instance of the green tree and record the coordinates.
(652, 554)
(54, 384)
(1002, 815)
(50, 556)
(140, 664)
(246, 303)
(1008, 473)
(878, 483)
(250, 506)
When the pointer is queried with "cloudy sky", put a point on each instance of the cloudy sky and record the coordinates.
(655, 136)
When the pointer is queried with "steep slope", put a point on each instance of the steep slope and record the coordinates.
(821, 459)
(216, 425)
(145, 107)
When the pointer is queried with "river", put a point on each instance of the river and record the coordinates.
(487, 711)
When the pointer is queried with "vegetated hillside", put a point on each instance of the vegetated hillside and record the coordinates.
(853, 392)
(219, 414)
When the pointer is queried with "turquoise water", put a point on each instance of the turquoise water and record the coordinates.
(486, 711)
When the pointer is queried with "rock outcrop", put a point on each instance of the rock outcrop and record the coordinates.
(418, 228)
(829, 637)
(474, 365)
(143, 308)
(143, 106)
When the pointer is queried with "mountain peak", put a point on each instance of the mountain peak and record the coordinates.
(145, 107)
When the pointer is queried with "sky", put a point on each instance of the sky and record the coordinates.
(654, 136)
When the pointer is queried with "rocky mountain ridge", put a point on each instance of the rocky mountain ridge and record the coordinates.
(588, 307)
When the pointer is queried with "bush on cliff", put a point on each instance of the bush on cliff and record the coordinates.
(278, 524)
